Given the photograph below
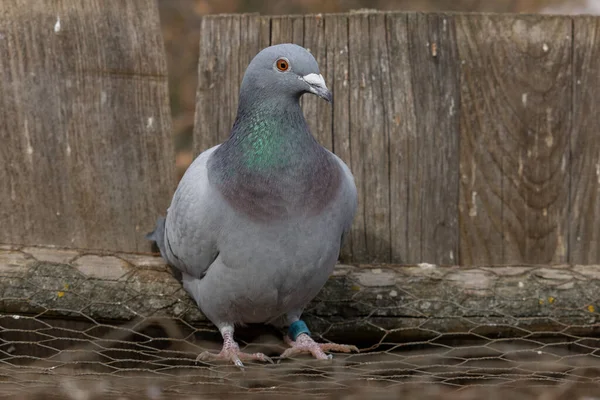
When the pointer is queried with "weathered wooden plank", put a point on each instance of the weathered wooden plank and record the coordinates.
(317, 112)
(358, 47)
(584, 214)
(209, 90)
(369, 137)
(282, 29)
(433, 163)
(480, 200)
(87, 157)
(218, 80)
(515, 138)
(358, 304)
(403, 138)
(232, 81)
(337, 68)
(377, 160)
(297, 30)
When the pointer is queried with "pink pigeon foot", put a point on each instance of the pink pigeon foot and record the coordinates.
(231, 352)
(305, 344)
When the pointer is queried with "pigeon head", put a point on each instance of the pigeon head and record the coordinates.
(284, 70)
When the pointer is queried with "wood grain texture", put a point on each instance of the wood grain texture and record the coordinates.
(433, 162)
(515, 138)
(584, 215)
(338, 79)
(228, 106)
(366, 303)
(318, 113)
(369, 136)
(287, 29)
(87, 157)
(297, 30)
(403, 140)
(216, 96)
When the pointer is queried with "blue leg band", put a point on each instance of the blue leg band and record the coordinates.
(296, 329)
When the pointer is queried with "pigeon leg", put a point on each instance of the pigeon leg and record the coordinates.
(231, 351)
(303, 343)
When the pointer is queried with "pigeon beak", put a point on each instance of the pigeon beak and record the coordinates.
(317, 86)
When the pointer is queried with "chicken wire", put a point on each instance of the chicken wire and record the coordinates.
(66, 359)
(58, 352)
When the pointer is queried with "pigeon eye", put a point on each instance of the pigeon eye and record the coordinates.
(282, 64)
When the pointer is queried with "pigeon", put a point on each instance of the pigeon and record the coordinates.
(256, 224)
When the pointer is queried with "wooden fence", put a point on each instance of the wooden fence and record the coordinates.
(86, 158)
(471, 137)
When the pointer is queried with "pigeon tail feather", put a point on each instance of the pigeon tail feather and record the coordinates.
(158, 236)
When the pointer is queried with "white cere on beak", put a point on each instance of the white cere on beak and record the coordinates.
(315, 80)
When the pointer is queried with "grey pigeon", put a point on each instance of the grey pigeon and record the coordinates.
(256, 224)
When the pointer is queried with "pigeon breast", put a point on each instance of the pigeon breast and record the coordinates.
(272, 168)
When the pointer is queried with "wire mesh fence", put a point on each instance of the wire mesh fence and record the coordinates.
(99, 326)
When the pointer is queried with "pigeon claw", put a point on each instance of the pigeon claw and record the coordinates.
(305, 344)
(233, 354)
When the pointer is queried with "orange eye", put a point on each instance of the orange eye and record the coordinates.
(282, 65)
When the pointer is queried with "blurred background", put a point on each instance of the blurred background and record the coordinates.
(181, 20)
